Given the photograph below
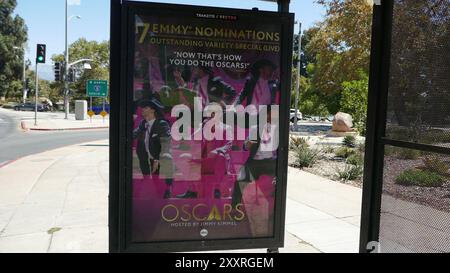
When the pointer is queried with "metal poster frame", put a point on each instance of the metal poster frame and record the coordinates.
(122, 31)
(377, 140)
(376, 120)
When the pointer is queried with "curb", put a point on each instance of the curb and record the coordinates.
(24, 127)
(8, 162)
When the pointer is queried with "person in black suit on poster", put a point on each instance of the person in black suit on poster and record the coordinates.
(153, 143)
(263, 155)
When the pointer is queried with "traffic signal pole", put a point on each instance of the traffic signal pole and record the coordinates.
(40, 58)
(36, 95)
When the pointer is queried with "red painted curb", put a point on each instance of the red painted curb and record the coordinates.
(6, 163)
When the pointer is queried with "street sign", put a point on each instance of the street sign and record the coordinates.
(97, 88)
(91, 113)
(103, 113)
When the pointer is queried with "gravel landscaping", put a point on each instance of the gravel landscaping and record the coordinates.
(325, 157)
(435, 197)
(327, 164)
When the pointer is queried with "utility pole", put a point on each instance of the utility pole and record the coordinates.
(297, 93)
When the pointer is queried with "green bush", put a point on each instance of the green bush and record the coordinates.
(344, 152)
(354, 101)
(311, 100)
(328, 149)
(355, 160)
(402, 153)
(306, 157)
(390, 150)
(350, 172)
(409, 154)
(420, 178)
(434, 136)
(361, 148)
(349, 141)
(436, 165)
(296, 142)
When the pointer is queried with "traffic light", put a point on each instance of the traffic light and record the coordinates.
(296, 43)
(40, 54)
(71, 77)
(57, 69)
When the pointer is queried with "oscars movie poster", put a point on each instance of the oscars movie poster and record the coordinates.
(206, 92)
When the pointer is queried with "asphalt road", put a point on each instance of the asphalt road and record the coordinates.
(15, 143)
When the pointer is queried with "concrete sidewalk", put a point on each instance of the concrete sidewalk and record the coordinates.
(324, 213)
(61, 124)
(56, 201)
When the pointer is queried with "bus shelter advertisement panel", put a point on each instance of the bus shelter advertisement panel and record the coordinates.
(206, 127)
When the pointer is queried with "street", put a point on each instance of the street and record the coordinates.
(16, 143)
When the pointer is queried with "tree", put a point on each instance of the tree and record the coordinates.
(48, 90)
(308, 56)
(311, 102)
(340, 47)
(13, 35)
(83, 49)
(419, 92)
(354, 100)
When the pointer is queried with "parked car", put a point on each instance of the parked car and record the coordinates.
(31, 107)
(292, 115)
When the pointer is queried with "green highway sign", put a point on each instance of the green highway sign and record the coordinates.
(97, 88)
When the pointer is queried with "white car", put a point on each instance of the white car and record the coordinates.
(292, 115)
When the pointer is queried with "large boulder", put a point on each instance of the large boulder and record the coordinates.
(343, 122)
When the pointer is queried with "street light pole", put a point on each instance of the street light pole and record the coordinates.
(297, 93)
(66, 65)
(66, 70)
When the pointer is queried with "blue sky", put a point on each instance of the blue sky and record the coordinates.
(45, 18)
